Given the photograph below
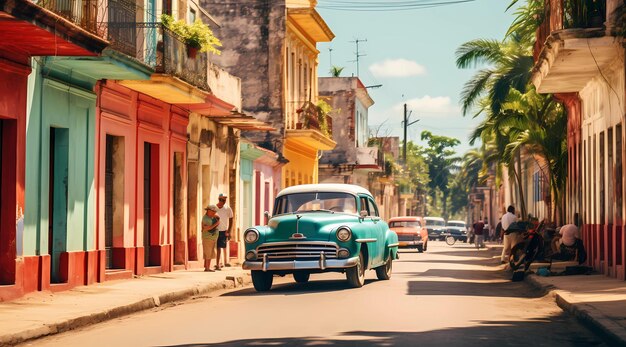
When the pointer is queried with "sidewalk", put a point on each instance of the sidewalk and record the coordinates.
(596, 300)
(43, 313)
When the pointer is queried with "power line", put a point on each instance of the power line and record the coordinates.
(345, 5)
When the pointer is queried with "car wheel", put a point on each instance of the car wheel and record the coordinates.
(450, 240)
(518, 256)
(356, 274)
(301, 276)
(384, 272)
(261, 280)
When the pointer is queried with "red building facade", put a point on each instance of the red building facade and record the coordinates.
(140, 170)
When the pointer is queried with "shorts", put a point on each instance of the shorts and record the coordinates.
(208, 248)
(222, 240)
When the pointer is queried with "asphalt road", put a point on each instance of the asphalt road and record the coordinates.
(448, 296)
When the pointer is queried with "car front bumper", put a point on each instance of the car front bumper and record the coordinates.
(321, 264)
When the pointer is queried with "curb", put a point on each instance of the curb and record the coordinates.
(230, 282)
(586, 314)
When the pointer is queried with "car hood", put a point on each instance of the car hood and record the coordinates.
(315, 226)
(457, 228)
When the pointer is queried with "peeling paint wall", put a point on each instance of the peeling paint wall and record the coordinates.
(253, 35)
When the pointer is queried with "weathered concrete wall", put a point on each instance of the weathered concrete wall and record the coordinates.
(340, 94)
(224, 85)
(253, 34)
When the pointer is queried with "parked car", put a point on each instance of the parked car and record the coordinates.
(436, 226)
(321, 228)
(457, 229)
(411, 232)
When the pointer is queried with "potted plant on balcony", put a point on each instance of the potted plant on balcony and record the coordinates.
(197, 36)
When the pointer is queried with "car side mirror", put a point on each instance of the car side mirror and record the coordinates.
(363, 214)
(267, 216)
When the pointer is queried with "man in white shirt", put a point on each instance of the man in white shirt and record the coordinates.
(569, 234)
(224, 228)
(510, 238)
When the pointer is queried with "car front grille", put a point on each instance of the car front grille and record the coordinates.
(284, 251)
(402, 238)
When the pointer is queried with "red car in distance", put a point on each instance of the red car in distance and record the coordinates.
(411, 232)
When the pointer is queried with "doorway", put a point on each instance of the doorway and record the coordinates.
(8, 162)
(57, 200)
(178, 195)
(151, 203)
(113, 198)
(192, 208)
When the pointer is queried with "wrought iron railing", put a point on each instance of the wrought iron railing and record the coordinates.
(83, 13)
(158, 47)
(569, 14)
(310, 117)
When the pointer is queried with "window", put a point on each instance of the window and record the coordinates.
(373, 208)
(365, 206)
(314, 201)
(405, 224)
(618, 170)
(602, 180)
(192, 15)
(609, 170)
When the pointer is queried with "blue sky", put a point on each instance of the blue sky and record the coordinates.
(412, 54)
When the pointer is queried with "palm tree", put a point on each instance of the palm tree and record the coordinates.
(510, 63)
(544, 135)
(335, 71)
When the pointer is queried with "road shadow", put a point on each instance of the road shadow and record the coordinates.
(291, 288)
(549, 332)
(472, 253)
(467, 274)
(485, 262)
(495, 288)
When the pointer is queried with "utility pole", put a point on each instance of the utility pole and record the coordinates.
(357, 54)
(405, 128)
(406, 125)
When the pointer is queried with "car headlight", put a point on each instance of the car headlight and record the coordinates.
(343, 253)
(344, 234)
(251, 255)
(251, 236)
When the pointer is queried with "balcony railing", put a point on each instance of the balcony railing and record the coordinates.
(158, 47)
(83, 13)
(310, 117)
(569, 14)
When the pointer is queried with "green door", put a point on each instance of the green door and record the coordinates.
(57, 234)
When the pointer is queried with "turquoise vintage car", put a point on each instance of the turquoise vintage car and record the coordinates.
(321, 228)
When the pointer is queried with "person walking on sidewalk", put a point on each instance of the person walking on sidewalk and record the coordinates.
(479, 231)
(210, 222)
(226, 224)
(511, 238)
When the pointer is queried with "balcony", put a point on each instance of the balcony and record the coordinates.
(156, 46)
(569, 14)
(572, 45)
(313, 128)
(83, 13)
(370, 159)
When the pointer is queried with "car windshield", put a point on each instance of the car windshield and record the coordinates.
(457, 224)
(405, 224)
(434, 222)
(307, 202)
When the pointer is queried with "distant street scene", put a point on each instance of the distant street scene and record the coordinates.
(450, 295)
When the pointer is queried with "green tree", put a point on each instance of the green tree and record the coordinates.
(440, 158)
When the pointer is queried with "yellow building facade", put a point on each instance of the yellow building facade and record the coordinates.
(306, 132)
